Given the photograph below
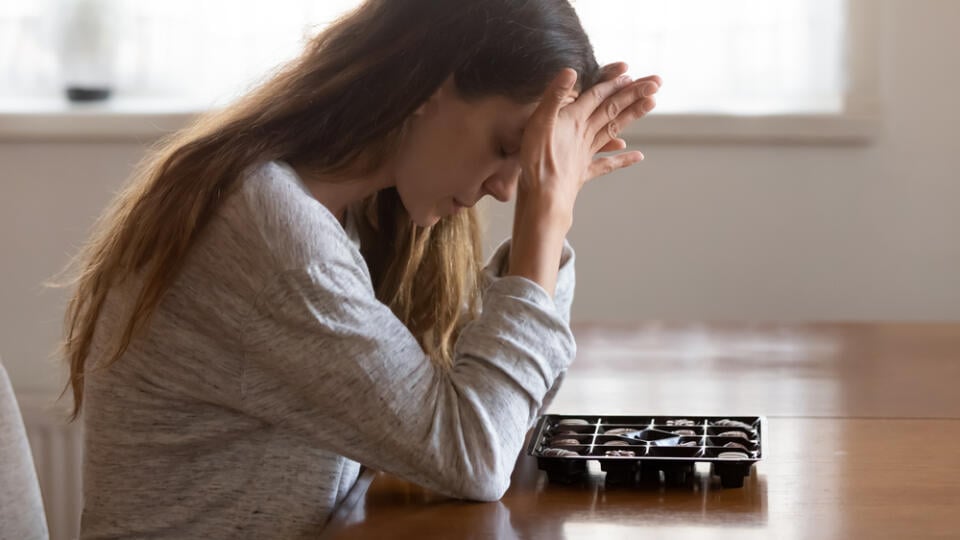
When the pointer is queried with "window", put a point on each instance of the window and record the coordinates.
(743, 58)
(735, 56)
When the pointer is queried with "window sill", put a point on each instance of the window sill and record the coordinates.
(125, 120)
(145, 121)
(819, 129)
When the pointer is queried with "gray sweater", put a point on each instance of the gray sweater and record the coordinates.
(270, 372)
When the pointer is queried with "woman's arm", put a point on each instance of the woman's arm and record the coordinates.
(558, 156)
(496, 268)
(325, 358)
(498, 264)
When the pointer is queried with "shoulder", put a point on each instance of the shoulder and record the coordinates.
(275, 209)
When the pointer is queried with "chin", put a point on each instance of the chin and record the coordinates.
(430, 222)
(425, 221)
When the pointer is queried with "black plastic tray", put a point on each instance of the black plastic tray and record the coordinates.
(563, 447)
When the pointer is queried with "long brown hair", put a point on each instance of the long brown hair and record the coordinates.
(339, 108)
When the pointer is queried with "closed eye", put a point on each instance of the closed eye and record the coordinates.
(504, 153)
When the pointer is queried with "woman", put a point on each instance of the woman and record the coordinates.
(293, 286)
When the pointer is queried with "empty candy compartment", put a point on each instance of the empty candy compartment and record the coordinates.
(657, 437)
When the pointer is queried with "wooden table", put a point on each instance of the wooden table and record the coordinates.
(863, 440)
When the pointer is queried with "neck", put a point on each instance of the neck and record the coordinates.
(337, 193)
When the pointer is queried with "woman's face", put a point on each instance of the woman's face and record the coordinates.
(455, 152)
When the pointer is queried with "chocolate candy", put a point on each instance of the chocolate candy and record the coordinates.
(564, 442)
(733, 423)
(558, 452)
(735, 445)
(630, 449)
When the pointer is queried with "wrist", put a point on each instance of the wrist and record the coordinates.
(542, 213)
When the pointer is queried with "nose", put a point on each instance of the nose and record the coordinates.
(503, 185)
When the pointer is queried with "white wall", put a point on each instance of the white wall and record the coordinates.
(793, 232)
(695, 232)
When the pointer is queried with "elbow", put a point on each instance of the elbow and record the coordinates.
(485, 478)
(488, 489)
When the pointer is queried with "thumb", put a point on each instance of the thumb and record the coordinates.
(557, 93)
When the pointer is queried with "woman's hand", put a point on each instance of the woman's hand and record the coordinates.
(557, 156)
(566, 131)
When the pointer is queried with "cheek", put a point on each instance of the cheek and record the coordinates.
(440, 162)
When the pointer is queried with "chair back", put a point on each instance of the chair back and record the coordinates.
(21, 509)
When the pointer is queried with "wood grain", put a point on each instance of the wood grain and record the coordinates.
(862, 441)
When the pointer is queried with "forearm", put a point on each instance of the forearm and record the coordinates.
(540, 226)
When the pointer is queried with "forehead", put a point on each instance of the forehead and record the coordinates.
(503, 116)
(508, 113)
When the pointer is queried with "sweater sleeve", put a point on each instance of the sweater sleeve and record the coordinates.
(562, 298)
(325, 358)
(496, 267)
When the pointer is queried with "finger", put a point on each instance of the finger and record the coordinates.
(611, 119)
(614, 145)
(556, 96)
(591, 98)
(651, 78)
(622, 101)
(607, 165)
(612, 71)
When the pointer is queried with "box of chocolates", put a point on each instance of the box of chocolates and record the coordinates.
(635, 449)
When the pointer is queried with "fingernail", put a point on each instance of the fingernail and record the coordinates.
(623, 79)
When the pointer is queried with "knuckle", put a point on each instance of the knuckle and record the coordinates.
(613, 110)
(613, 129)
